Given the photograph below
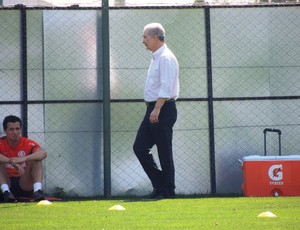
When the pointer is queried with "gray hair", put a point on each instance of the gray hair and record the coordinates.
(155, 29)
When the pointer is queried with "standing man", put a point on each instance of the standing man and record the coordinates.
(161, 91)
(21, 169)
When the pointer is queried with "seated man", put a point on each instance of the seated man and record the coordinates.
(21, 169)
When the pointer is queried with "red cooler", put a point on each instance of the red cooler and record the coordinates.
(271, 175)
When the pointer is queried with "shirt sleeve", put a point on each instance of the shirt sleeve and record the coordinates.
(168, 77)
(33, 146)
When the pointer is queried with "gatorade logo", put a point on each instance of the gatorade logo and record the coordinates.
(275, 172)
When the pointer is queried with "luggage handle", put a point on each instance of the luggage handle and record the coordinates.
(279, 138)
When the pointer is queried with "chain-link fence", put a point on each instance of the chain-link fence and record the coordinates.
(239, 73)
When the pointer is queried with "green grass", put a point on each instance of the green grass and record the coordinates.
(181, 213)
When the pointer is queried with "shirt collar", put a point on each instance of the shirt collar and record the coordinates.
(159, 51)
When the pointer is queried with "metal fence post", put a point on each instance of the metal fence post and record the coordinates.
(24, 84)
(106, 98)
(210, 102)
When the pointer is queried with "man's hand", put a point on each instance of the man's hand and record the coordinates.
(154, 115)
(20, 169)
(156, 111)
(18, 160)
(16, 163)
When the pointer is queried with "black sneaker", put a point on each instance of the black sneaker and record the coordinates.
(38, 195)
(8, 197)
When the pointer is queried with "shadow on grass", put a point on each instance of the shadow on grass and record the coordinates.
(145, 199)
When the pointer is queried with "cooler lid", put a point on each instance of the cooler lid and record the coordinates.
(274, 158)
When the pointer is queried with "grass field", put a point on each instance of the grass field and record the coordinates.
(180, 213)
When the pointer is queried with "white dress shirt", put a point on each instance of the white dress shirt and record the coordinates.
(163, 76)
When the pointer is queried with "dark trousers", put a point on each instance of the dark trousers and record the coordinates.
(161, 135)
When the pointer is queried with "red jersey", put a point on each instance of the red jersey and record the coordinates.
(24, 148)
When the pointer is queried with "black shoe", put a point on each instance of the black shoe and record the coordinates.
(156, 194)
(160, 196)
(8, 197)
(38, 195)
(152, 194)
(170, 194)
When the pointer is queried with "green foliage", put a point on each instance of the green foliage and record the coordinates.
(184, 213)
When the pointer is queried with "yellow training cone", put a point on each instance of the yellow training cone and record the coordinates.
(266, 214)
(44, 202)
(117, 207)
